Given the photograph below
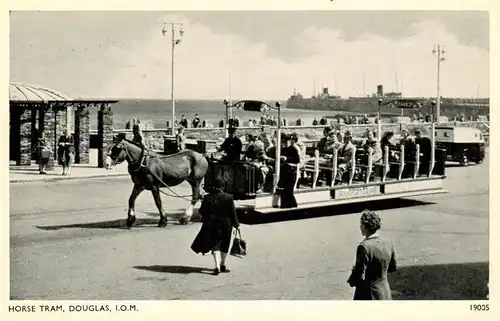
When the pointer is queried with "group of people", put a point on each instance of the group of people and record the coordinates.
(261, 152)
(65, 152)
(346, 149)
(195, 123)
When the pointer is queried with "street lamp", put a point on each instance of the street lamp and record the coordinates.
(439, 52)
(175, 41)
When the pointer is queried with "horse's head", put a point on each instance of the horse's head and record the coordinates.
(116, 153)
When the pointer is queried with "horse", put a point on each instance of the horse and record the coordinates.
(152, 172)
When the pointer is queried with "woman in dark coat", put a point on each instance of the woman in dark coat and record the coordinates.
(290, 159)
(375, 257)
(218, 216)
(66, 152)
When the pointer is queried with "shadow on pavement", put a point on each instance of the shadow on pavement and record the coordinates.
(465, 281)
(114, 224)
(175, 269)
(451, 165)
(255, 218)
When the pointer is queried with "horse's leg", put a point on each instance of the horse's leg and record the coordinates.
(131, 204)
(195, 196)
(156, 195)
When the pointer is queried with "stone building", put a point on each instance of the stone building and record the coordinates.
(34, 109)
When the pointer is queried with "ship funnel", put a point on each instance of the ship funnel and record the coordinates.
(325, 91)
(380, 90)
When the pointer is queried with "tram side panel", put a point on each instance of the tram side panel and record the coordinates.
(239, 178)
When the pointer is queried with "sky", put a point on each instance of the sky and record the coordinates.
(250, 54)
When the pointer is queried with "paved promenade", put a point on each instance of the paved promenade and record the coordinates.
(26, 174)
(69, 241)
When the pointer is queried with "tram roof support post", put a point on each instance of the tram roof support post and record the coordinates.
(379, 121)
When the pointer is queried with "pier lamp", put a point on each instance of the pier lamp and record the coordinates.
(175, 41)
(439, 52)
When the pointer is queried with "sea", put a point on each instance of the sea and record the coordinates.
(156, 113)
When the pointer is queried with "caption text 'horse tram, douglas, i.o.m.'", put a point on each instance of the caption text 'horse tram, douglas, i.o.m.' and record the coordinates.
(356, 171)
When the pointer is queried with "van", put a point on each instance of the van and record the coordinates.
(462, 144)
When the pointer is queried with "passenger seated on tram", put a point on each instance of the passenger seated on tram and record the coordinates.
(300, 146)
(425, 151)
(327, 150)
(388, 140)
(232, 146)
(330, 144)
(268, 141)
(323, 142)
(376, 152)
(345, 155)
(255, 155)
(409, 144)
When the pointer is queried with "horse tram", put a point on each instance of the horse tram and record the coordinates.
(320, 181)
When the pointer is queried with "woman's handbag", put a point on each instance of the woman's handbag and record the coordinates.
(239, 248)
(45, 153)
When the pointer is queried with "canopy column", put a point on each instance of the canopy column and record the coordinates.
(25, 120)
(82, 134)
(105, 128)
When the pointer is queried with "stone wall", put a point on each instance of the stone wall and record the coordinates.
(54, 124)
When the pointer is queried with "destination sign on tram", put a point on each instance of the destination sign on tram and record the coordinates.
(357, 192)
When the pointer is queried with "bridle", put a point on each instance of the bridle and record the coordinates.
(142, 158)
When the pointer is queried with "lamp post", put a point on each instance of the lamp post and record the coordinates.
(439, 52)
(175, 41)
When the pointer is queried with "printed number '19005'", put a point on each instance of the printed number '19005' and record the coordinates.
(479, 307)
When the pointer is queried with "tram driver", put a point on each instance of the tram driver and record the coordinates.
(232, 146)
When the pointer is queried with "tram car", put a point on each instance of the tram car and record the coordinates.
(363, 181)
(462, 144)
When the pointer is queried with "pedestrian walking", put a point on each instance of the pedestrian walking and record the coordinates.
(375, 257)
(218, 216)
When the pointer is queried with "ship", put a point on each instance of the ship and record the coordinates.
(450, 107)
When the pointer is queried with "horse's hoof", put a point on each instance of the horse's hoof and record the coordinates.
(162, 223)
(130, 221)
(183, 220)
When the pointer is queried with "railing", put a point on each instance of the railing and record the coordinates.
(315, 168)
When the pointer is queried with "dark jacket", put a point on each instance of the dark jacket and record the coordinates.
(425, 147)
(218, 218)
(233, 147)
(375, 257)
(66, 139)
